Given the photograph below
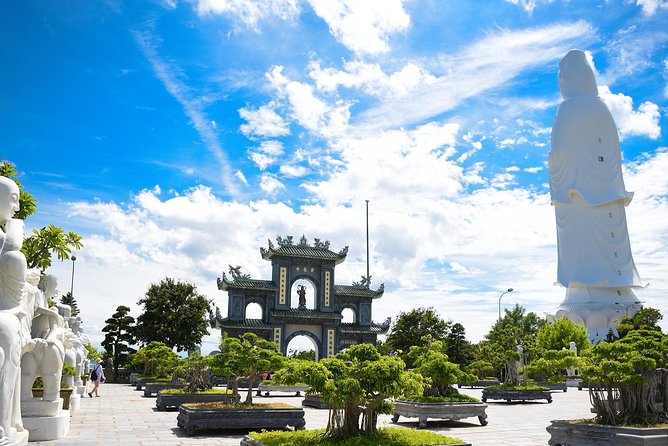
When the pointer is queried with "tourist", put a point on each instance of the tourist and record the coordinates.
(96, 377)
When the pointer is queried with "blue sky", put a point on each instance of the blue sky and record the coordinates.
(178, 136)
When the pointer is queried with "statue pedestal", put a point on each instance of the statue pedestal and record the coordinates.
(75, 402)
(40, 408)
(79, 390)
(45, 428)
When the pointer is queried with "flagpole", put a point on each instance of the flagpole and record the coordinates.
(368, 278)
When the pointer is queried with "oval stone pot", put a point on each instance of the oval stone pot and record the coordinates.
(166, 400)
(515, 395)
(447, 411)
(572, 433)
(193, 419)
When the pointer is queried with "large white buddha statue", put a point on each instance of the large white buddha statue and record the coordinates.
(12, 282)
(595, 264)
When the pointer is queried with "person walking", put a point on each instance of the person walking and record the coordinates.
(96, 377)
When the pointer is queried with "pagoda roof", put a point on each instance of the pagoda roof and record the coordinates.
(305, 314)
(246, 283)
(356, 328)
(302, 250)
(358, 291)
(247, 323)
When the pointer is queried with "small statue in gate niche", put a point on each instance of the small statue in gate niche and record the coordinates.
(301, 291)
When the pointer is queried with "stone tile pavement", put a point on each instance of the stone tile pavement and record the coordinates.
(122, 416)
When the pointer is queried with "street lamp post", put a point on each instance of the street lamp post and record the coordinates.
(74, 258)
(626, 306)
(509, 290)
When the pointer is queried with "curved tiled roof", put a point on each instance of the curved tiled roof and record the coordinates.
(303, 252)
(248, 323)
(247, 284)
(358, 291)
(356, 328)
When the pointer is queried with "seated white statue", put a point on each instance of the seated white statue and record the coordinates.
(12, 281)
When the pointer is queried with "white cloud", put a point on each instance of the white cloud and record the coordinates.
(261, 160)
(250, 12)
(527, 5)
(649, 7)
(266, 154)
(533, 169)
(370, 78)
(292, 171)
(272, 147)
(488, 63)
(363, 26)
(270, 184)
(641, 122)
(193, 107)
(308, 110)
(263, 121)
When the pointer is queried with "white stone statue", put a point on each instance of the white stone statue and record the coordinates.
(587, 190)
(12, 282)
(48, 332)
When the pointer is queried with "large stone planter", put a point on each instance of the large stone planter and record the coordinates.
(554, 386)
(166, 400)
(569, 433)
(448, 411)
(65, 394)
(266, 388)
(153, 388)
(192, 419)
(480, 383)
(515, 395)
(315, 401)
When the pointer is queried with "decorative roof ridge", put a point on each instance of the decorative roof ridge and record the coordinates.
(303, 243)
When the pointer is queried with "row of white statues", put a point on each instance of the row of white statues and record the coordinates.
(35, 340)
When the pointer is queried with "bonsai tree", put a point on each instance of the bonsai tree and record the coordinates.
(196, 370)
(552, 365)
(156, 359)
(355, 383)
(434, 365)
(629, 382)
(247, 357)
(480, 368)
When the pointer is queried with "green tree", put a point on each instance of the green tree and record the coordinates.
(157, 359)
(433, 364)
(175, 314)
(630, 381)
(560, 333)
(458, 348)
(119, 338)
(515, 328)
(551, 366)
(645, 319)
(411, 327)
(43, 243)
(307, 355)
(68, 299)
(248, 357)
(355, 383)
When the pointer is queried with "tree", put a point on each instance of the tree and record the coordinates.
(560, 333)
(355, 383)
(175, 314)
(68, 299)
(410, 328)
(645, 319)
(632, 376)
(156, 359)
(307, 355)
(433, 364)
(552, 365)
(43, 243)
(119, 338)
(516, 328)
(248, 357)
(458, 349)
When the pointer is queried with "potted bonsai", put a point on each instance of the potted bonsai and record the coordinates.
(356, 384)
(550, 369)
(199, 387)
(160, 368)
(247, 356)
(439, 399)
(628, 390)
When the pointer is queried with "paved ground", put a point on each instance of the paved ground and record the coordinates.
(122, 416)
